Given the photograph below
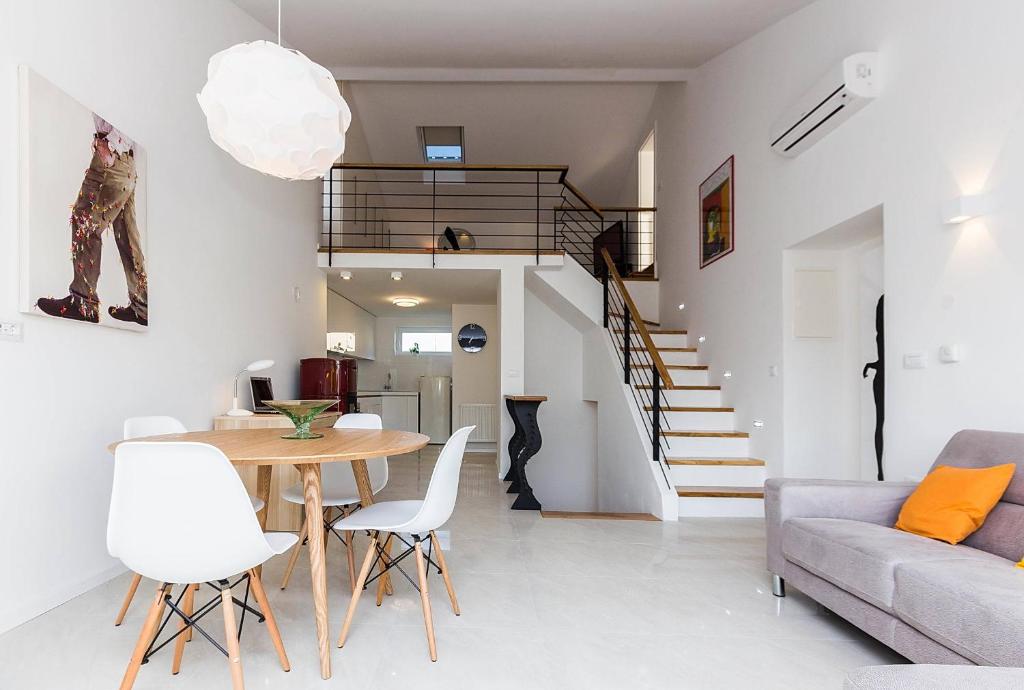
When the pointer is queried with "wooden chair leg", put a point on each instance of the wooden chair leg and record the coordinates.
(179, 644)
(444, 572)
(385, 560)
(364, 571)
(428, 619)
(351, 551)
(268, 614)
(327, 521)
(295, 554)
(231, 633)
(128, 599)
(149, 628)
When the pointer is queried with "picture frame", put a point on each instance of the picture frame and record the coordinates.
(716, 228)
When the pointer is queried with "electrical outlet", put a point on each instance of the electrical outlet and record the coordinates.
(10, 331)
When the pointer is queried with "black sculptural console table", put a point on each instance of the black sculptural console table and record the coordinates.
(523, 445)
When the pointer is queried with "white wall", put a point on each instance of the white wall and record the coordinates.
(345, 316)
(563, 473)
(226, 245)
(475, 374)
(948, 122)
(409, 368)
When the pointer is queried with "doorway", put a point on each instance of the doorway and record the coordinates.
(832, 283)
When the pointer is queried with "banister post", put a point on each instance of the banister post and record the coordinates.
(656, 408)
(626, 341)
(604, 287)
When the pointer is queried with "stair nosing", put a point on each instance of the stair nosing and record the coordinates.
(684, 408)
(719, 492)
(715, 462)
(697, 433)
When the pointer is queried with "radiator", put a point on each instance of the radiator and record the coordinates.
(484, 417)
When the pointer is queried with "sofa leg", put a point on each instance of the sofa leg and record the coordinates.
(778, 586)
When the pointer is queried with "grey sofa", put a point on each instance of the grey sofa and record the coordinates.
(932, 602)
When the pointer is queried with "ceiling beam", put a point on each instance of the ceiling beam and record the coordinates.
(474, 74)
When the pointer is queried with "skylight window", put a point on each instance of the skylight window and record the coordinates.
(442, 144)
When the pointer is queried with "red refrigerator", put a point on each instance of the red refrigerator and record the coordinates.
(322, 378)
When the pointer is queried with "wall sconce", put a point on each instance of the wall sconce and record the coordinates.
(345, 275)
(396, 275)
(703, 339)
(964, 208)
(727, 374)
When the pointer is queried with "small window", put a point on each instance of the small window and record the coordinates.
(423, 341)
(442, 144)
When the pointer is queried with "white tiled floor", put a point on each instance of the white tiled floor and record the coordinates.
(546, 603)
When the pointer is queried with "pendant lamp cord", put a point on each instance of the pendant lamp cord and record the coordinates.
(278, 22)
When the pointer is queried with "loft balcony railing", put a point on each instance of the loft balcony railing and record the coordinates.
(483, 208)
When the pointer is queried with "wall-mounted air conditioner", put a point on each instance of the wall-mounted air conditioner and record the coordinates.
(845, 89)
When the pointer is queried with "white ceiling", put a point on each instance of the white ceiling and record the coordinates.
(437, 289)
(530, 34)
(592, 128)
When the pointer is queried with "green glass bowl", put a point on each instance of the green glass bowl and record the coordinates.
(302, 413)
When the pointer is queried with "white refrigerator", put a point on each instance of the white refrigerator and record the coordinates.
(436, 407)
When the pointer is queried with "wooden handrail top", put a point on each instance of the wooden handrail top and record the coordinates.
(638, 322)
(625, 209)
(582, 197)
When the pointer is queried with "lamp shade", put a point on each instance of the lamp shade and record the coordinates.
(260, 365)
(275, 110)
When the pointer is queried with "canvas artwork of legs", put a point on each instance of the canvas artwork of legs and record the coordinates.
(73, 158)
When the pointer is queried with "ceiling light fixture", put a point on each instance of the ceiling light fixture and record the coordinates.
(396, 275)
(703, 339)
(681, 306)
(405, 302)
(275, 110)
(346, 275)
(727, 374)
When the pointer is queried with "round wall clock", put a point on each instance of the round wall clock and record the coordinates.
(472, 337)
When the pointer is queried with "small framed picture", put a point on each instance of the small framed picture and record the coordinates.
(716, 214)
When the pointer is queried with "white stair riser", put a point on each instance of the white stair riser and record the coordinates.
(689, 377)
(721, 507)
(718, 475)
(670, 339)
(697, 398)
(708, 447)
(669, 357)
(701, 421)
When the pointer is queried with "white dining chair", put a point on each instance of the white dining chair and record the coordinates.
(418, 518)
(216, 538)
(155, 425)
(339, 492)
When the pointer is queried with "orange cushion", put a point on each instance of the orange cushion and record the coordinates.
(952, 502)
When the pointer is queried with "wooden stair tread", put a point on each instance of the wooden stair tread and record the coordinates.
(720, 492)
(675, 349)
(716, 462)
(673, 387)
(670, 408)
(705, 434)
(665, 331)
(683, 367)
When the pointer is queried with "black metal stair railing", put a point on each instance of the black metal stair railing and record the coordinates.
(642, 368)
(488, 208)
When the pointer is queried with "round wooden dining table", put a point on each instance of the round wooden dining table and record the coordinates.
(265, 448)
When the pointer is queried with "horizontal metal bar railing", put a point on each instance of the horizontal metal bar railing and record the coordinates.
(503, 207)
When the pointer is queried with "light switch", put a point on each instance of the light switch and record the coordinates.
(949, 354)
(915, 360)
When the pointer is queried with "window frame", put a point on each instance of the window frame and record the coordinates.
(402, 330)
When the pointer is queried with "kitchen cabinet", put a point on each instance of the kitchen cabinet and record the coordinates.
(397, 409)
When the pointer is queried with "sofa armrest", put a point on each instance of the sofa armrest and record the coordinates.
(877, 502)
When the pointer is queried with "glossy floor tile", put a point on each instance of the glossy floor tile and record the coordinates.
(546, 603)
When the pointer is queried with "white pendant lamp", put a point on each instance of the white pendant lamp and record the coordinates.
(275, 110)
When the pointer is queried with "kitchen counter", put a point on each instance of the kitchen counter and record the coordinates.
(381, 394)
(397, 409)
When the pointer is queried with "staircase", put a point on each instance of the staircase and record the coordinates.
(707, 459)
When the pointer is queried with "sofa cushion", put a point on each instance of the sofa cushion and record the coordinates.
(974, 607)
(861, 557)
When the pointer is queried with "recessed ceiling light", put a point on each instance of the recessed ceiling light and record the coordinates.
(396, 275)
(346, 275)
(405, 302)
